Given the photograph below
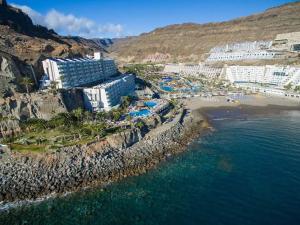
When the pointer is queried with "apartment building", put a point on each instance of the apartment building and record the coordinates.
(238, 56)
(278, 76)
(248, 46)
(257, 50)
(287, 42)
(70, 73)
(193, 70)
(105, 96)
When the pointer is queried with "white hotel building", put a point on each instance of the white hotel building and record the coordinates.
(108, 94)
(269, 79)
(70, 73)
(83, 73)
(193, 70)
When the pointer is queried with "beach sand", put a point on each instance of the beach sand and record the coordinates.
(247, 100)
(216, 108)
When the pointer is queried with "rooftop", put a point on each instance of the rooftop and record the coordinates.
(67, 60)
(111, 81)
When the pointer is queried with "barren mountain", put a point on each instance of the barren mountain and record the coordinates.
(23, 44)
(188, 42)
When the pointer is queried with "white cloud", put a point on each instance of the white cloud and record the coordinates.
(68, 24)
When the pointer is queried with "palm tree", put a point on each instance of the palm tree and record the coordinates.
(78, 113)
(27, 82)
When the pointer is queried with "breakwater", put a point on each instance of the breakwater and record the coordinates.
(69, 169)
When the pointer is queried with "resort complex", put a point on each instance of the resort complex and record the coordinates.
(217, 103)
(97, 78)
(282, 80)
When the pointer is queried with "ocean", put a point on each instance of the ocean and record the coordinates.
(245, 172)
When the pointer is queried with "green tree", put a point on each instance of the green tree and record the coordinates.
(116, 115)
(53, 86)
(101, 116)
(78, 113)
(140, 124)
(288, 86)
(27, 82)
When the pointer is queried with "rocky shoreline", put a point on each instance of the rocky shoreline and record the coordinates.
(25, 177)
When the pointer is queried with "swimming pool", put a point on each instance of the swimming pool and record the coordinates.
(167, 88)
(150, 104)
(140, 113)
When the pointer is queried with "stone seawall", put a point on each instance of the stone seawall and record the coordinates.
(32, 176)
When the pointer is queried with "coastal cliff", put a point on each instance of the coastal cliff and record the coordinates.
(68, 169)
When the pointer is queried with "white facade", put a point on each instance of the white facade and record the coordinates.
(287, 42)
(108, 94)
(69, 73)
(242, 46)
(256, 50)
(278, 76)
(193, 70)
(238, 56)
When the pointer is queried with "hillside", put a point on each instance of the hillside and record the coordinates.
(23, 44)
(188, 42)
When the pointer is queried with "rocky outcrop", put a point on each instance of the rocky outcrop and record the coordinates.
(32, 176)
(24, 44)
(11, 72)
(9, 127)
(36, 105)
(125, 139)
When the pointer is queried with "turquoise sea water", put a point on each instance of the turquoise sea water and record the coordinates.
(246, 172)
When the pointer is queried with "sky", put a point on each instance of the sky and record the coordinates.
(120, 18)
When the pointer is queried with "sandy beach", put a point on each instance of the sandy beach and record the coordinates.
(247, 100)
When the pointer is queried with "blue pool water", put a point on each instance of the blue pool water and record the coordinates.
(167, 88)
(245, 173)
(150, 104)
(140, 113)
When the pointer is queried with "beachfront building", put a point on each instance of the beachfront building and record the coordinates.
(287, 42)
(107, 95)
(269, 75)
(257, 50)
(76, 72)
(194, 70)
(272, 79)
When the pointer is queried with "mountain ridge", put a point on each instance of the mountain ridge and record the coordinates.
(22, 42)
(190, 41)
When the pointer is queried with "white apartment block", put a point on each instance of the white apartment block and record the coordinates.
(193, 70)
(238, 56)
(257, 50)
(69, 73)
(287, 42)
(274, 75)
(242, 46)
(105, 96)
